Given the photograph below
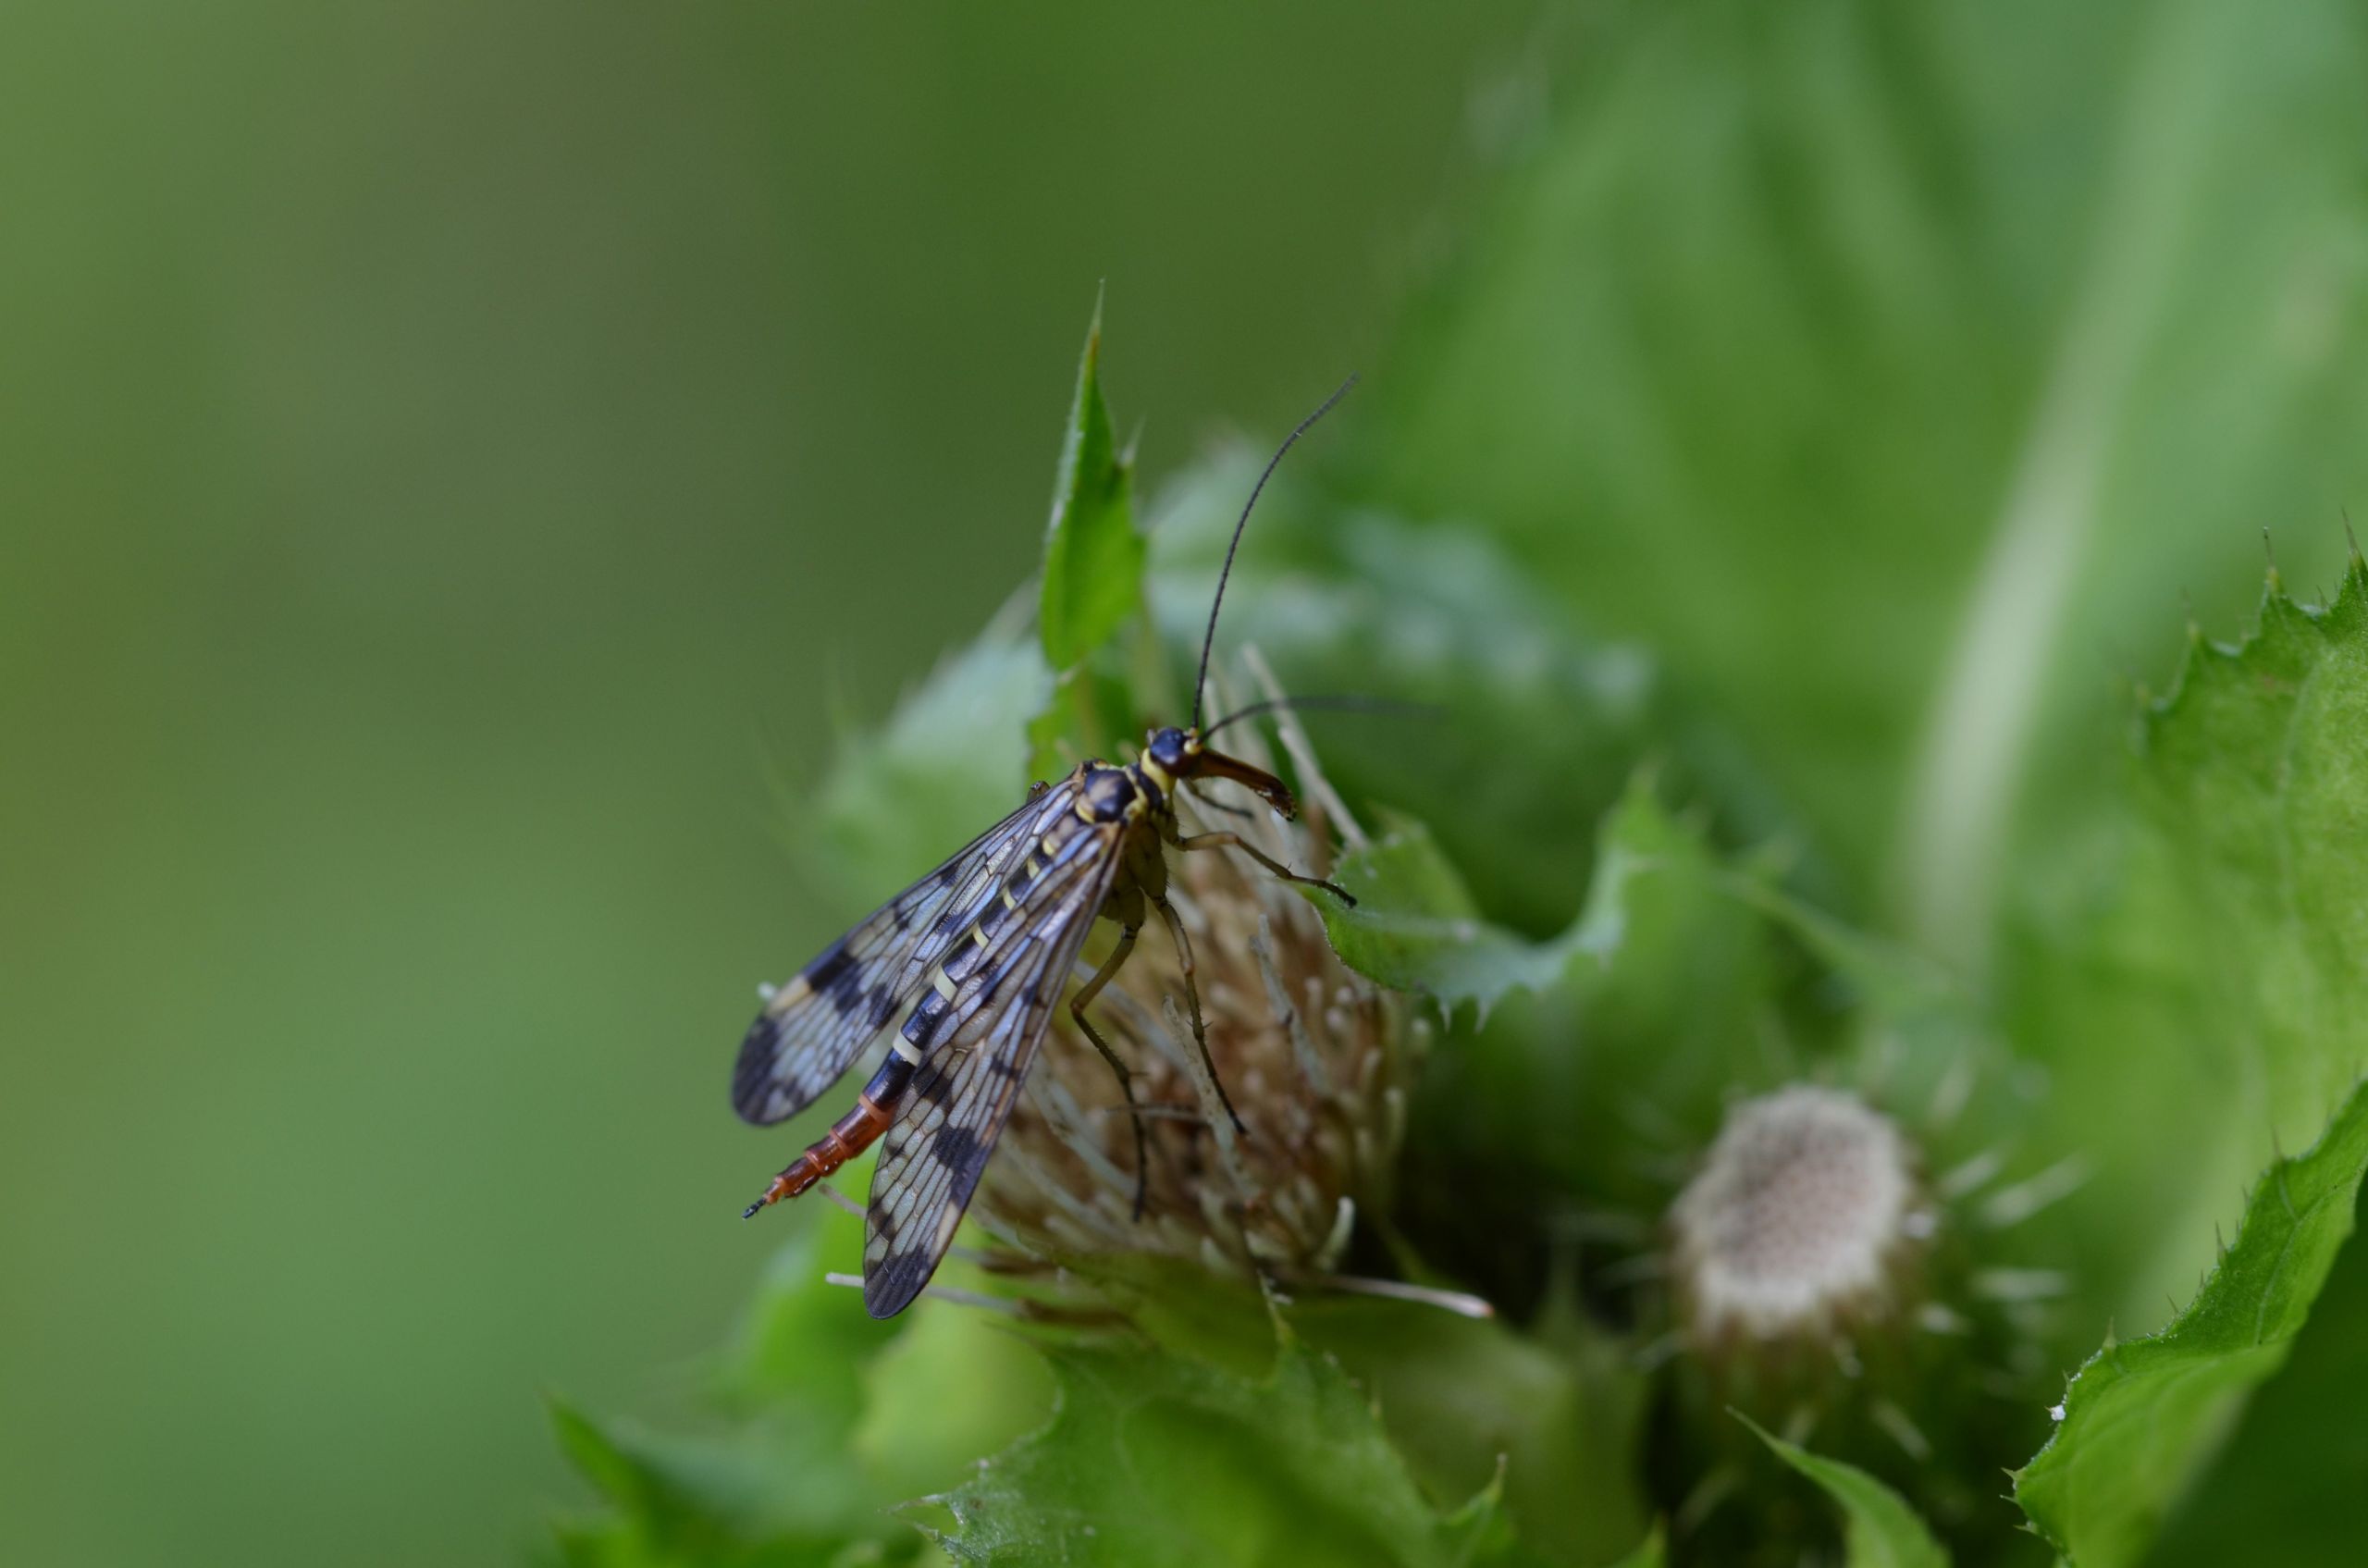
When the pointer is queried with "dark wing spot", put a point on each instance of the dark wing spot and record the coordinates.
(828, 966)
(883, 1004)
(848, 993)
(752, 1074)
(890, 1288)
(837, 977)
(956, 1148)
(882, 1222)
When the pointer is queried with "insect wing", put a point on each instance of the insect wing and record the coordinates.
(814, 1026)
(965, 1087)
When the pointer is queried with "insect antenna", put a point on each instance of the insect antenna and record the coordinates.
(1200, 681)
(1345, 701)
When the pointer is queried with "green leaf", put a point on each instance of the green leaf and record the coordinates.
(1156, 1460)
(2140, 1417)
(2198, 987)
(1093, 558)
(1090, 714)
(956, 1383)
(798, 1352)
(1879, 1529)
(1886, 370)
(679, 1502)
(787, 1472)
(1667, 959)
(2301, 1442)
(1538, 727)
(603, 1461)
(1184, 1308)
(1913, 1028)
(1413, 927)
(835, 1419)
(1651, 1552)
(1653, 997)
(1464, 1400)
(950, 763)
(702, 1501)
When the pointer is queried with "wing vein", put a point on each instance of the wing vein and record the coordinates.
(813, 1027)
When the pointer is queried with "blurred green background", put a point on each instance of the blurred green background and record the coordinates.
(455, 460)
(451, 458)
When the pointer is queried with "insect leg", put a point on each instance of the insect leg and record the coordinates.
(1193, 996)
(1234, 841)
(1078, 1003)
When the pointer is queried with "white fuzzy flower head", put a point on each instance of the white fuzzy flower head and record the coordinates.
(1802, 1220)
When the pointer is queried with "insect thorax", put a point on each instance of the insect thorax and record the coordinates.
(1127, 794)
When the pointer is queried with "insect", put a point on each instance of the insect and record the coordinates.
(986, 944)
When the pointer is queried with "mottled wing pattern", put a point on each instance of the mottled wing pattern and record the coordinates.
(814, 1026)
(965, 1089)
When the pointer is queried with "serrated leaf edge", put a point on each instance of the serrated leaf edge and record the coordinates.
(2214, 1282)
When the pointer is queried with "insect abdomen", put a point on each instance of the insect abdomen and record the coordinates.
(875, 1109)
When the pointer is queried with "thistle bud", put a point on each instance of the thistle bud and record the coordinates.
(1824, 1284)
(1805, 1221)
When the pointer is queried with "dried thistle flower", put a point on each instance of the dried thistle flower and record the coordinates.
(1315, 1058)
